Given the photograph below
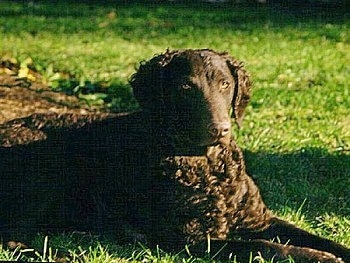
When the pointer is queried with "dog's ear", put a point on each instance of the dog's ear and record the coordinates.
(242, 88)
(147, 82)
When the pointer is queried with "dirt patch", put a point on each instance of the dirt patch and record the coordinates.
(27, 108)
(20, 98)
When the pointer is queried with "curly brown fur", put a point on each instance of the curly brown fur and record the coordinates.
(219, 201)
(216, 188)
(170, 174)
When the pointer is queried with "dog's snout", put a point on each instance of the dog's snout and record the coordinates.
(220, 129)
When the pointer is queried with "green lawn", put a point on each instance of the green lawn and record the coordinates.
(296, 135)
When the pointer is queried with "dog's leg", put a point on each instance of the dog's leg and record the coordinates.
(243, 250)
(264, 225)
(289, 233)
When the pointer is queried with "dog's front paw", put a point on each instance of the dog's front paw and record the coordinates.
(312, 255)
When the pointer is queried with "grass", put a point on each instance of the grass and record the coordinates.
(296, 134)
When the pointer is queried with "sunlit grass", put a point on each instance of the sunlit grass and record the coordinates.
(296, 134)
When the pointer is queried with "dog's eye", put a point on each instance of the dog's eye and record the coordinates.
(225, 85)
(186, 86)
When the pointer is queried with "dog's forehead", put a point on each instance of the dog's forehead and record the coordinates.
(202, 61)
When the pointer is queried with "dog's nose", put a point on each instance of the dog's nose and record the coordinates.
(220, 129)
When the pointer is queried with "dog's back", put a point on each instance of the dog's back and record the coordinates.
(69, 176)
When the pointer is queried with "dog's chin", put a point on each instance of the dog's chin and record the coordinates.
(225, 141)
(201, 147)
(197, 146)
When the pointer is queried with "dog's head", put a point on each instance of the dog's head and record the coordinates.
(193, 94)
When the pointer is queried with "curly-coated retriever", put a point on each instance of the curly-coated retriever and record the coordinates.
(170, 174)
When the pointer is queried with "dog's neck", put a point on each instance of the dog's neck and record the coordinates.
(169, 146)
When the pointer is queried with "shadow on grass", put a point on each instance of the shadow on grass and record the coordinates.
(115, 97)
(312, 175)
(164, 17)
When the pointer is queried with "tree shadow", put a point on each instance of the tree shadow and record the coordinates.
(158, 15)
(311, 175)
(114, 97)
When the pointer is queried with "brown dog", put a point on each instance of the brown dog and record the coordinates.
(170, 174)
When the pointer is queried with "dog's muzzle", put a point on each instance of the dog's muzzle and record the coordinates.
(220, 129)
